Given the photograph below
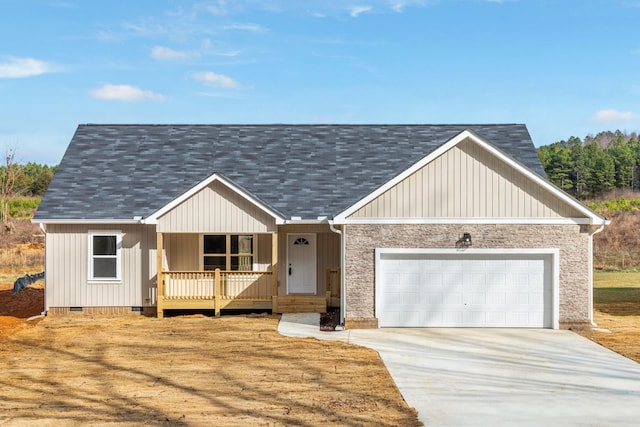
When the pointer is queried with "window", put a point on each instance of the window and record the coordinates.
(228, 252)
(104, 255)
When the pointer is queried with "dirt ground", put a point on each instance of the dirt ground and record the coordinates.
(618, 328)
(187, 370)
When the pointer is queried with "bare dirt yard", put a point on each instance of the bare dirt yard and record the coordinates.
(186, 370)
(616, 298)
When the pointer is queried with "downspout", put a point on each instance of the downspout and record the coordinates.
(591, 234)
(342, 264)
(44, 312)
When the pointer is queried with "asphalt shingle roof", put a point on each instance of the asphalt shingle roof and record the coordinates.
(122, 171)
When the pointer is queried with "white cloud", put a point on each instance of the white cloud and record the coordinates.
(210, 78)
(217, 9)
(165, 53)
(357, 10)
(15, 68)
(400, 5)
(124, 93)
(611, 115)
(254, 28)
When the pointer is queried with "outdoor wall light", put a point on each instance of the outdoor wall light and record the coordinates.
(464, 241)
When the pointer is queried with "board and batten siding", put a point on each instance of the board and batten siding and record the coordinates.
(182, 251)
(467, 181)
(216, 209)
(67, 263)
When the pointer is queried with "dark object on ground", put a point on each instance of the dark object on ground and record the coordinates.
(330, 319)
(24, 281)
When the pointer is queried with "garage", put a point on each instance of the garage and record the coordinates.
(466, 288)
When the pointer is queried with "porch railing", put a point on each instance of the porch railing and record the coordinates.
(332, 286)
(203, 285)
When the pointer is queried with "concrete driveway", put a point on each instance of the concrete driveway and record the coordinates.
(492, 377)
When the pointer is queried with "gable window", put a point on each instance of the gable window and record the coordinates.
(105, 249)
(234, 252)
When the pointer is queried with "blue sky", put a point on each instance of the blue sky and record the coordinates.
(563, 67)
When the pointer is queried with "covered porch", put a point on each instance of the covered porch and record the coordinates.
(256, 284)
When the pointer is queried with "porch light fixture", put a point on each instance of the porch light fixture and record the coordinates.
(464, 241)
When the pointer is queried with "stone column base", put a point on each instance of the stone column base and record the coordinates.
(360, 323)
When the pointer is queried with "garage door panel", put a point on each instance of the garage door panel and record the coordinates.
(497, 280)
(465, 290)
(451, 318)
(478, 298)
(452, 298)
(515, 298)
(451, 279)
(474, 280)
(432, 298)
(497, 298)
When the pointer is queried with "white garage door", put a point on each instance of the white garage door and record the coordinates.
(464, 290)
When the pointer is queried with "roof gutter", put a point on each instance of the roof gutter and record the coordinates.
(591, 234)
(342, 264)
(43, 228)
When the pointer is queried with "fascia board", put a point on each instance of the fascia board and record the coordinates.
(467, 134)
(85, 221)
(153, 218)
(468, 220)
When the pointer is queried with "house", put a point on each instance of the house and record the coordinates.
(398, 225)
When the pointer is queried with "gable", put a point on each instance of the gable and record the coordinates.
(216, 208)
(467, 181)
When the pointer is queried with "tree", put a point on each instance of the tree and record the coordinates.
(7, 181)
(601, 170)
(581, 173)
(558, 164)
(624, 161)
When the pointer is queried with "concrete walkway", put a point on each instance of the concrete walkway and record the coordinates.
(498, 377)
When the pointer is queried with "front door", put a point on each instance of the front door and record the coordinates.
(301, 264)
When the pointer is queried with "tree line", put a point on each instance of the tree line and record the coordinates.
(19, 181)
(28, 180)
(594, 166)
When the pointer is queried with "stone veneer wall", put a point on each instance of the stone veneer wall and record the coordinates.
(362, 240)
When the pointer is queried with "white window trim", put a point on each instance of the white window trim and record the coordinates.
(254, 264)
(118, 236)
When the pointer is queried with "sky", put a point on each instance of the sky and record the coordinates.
(563, 67)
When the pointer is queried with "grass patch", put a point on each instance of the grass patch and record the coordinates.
(616, 279)
(615, 295)
(616, 287)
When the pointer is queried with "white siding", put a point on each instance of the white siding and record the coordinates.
(182, 251)
(467, 182)
(67, 261)
(216, 209)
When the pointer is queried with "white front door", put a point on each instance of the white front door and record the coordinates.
(301, 264)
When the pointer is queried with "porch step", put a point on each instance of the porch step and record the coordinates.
(299, 304)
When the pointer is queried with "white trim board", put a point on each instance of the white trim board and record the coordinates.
(553, 252)
(502, 221)
(462, 136)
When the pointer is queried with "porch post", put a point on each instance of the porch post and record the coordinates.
(217, 292)
(274, 271)
(160, 275)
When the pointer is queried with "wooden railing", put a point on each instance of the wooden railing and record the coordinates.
(332, 282)
(203, 285)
